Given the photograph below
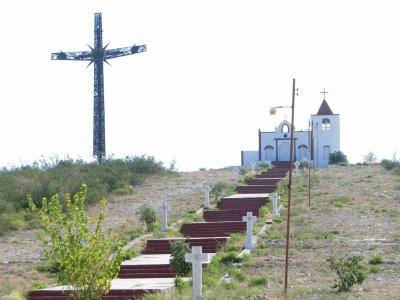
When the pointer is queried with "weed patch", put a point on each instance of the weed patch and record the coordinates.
(340, 201)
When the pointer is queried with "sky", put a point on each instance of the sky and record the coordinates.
(204, 87)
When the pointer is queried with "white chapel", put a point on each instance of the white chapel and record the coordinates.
(316, 145)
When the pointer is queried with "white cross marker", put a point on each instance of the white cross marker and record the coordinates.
(197, 257)
(207, 190)
(165, 208)
(275, 212)
(253, 164)
(296, 163)
(235, 175)
(249, 219)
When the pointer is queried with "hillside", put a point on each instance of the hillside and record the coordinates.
(20, 251)
(355, 210)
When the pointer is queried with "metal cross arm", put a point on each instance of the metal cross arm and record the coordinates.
(108, 54)
(80, 55)
(118, 52)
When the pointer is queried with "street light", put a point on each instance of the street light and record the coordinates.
(289, 186)
(272, 110)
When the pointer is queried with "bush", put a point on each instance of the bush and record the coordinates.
(177, 260)
(181, 285)
(45, 178)
(370, 158)
(217, 189)
(376, 260)
(256, 281)
(350, 271)
(230, 258)
(148, 216)
(129, 254)
(337, 158)
(9, 222)
(81, 256)
(389, 164)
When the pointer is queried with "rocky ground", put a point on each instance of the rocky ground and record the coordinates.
(21, 251)
(354, 210)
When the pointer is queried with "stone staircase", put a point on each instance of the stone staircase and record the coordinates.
(151, 272)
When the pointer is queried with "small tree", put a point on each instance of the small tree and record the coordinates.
(86, 260)
(337, 158)
(350, 271)
(217, 189)
(177, 260)
(148, 216)
(370, 158)
(242, 171)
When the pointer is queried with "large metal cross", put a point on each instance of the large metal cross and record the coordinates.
(97, 55)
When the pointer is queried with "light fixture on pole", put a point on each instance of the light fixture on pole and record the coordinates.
(289, 186)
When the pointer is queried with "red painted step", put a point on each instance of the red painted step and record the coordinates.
(147, 271)
(229, 214)
(162, 246)
(211, 229)
(239, 203)
(255, 189)
(127, 294)
(263, 181)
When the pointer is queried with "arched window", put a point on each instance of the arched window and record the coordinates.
(269, 153)
(303, 152)
(285, 128)
(327, 151)
(326, 124)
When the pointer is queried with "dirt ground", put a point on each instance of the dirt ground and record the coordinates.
(21, 251)
(355, 210)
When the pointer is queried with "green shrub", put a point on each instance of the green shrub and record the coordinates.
(10, 221)
(181, 285)
(217, 189)
(147, 216)
(123, 191)
(374, 269)
(256, 281)
(350, 271)
(45, 178)
(129, 254)
(177, 261)
(337, 158)
(264, 210)
(376, 260)
(82, 255)
(277, 219)
(390, 164)
(230, 258)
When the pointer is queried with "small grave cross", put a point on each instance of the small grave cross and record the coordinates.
(197, 258)
(235, 175)
(207, 190)
(165, 208)
(249, 219)
(275, 212)
(253, 164)
(296, 163)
